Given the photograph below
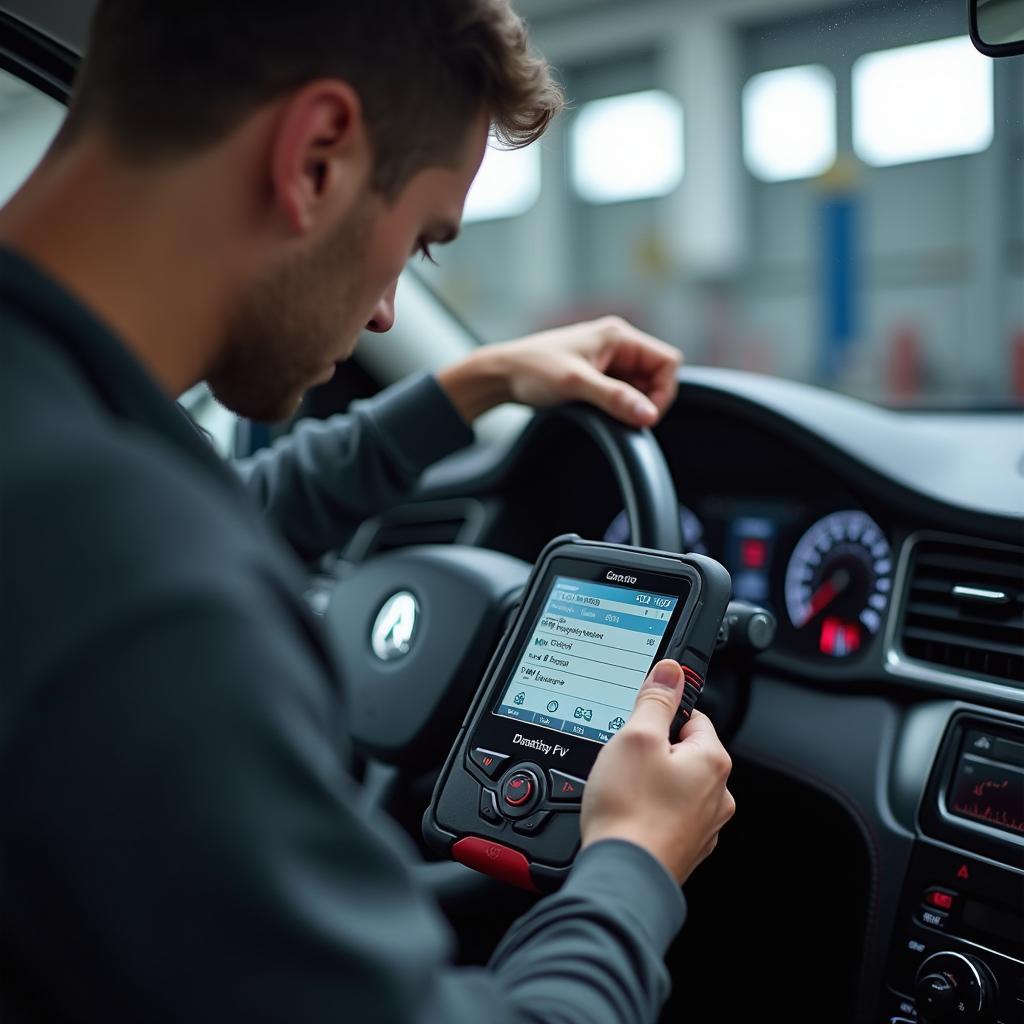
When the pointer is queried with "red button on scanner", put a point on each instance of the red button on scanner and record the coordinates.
(490, 760)
(518, 789)
(565, 788)
(495, 860)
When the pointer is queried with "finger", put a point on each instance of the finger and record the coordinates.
(699, 731)
(616, 397)
(709, 848)
(649, 365)
(663, 387)
(729, 809)
(616, 331)
(657, 699)
(641, 355)
(659, 386)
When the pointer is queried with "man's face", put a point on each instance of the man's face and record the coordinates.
(292, 324)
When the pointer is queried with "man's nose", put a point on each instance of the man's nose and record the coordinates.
(383, 318)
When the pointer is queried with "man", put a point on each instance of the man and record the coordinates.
(232, 198)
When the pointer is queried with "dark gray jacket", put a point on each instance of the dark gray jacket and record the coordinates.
(179, 838)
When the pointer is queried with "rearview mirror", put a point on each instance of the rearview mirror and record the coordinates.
(997, 26)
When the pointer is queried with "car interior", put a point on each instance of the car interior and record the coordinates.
(822, 203)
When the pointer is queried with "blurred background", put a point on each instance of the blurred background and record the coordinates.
(828, 191)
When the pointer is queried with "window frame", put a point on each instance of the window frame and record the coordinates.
(35, 59)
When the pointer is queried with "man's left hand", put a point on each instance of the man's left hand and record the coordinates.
(606, 362)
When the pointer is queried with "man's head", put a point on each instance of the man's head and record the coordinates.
(355, 128)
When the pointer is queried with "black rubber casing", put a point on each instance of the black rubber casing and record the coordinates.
(467, 818)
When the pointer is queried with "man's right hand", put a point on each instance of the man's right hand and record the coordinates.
(669, 798)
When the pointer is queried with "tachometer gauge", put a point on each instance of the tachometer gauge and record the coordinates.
(838, 582)
(690, 526)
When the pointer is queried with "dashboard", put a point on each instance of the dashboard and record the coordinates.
(889, 547)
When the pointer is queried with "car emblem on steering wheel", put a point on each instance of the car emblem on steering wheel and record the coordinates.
(395, 626)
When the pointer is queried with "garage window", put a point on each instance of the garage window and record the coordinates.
(922, 102)
(789, 123)
(507, 184)
(627, 147)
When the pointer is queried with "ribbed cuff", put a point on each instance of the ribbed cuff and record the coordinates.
(417, 422)
(620, 874)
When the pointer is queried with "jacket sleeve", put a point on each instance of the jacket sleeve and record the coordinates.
(326, 476)
(186, 844)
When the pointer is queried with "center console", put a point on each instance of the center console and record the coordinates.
(957, 952)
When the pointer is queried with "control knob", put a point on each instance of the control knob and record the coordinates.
(955, 987)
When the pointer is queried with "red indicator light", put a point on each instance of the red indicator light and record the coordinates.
(963, 872)
(568, 787)
(942, 900)
(753, 553)
(838, 638)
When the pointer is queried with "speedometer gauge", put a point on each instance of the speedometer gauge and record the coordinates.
(838, 582)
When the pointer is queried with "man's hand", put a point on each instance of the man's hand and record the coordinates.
(606, 362)
(669, 798)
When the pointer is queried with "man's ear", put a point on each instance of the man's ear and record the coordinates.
(320, 156)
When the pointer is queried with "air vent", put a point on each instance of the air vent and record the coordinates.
(964, 609)
(435, 522)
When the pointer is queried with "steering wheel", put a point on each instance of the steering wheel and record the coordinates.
(415, 628)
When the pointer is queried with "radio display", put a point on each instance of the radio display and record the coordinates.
(988, 792)
(590, 649)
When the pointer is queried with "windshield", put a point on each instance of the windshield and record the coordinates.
(832, 193)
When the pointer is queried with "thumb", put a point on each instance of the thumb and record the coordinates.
(658, 699)
(617, 398)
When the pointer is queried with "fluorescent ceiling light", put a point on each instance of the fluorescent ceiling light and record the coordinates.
(922, 102)
(627, 147)
(789, 123)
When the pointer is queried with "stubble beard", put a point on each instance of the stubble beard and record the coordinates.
(287, 326)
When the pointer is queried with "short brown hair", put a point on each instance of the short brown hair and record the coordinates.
(168, 77)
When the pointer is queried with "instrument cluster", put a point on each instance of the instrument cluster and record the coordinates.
(826, 574)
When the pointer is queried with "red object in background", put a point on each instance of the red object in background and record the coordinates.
(757, 356)
(839, 638)
(1017, 363)
(903, 369)
(753, 553)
